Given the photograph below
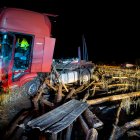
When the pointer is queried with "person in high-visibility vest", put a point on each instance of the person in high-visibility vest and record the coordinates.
(22, 52)
(24, 44)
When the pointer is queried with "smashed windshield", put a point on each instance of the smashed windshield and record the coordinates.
(6, 42)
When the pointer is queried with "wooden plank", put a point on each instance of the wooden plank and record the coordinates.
(68, 120)
(48, 119)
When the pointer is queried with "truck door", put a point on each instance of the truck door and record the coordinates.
(48, 54)
(42, 54)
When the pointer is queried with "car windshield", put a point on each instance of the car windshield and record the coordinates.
(6, 42)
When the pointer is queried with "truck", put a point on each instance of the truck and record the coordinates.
(18, 69)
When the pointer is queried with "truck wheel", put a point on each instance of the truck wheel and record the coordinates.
(85, 76)
(31, 87)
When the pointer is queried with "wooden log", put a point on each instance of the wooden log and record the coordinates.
(118, 90)
(124, 77)
(35, 102)
(120, 131)
(16, 135)
(14, 125)
(86, 86)
(133, 133)
(134, 123)
(42, 137)
(49, 85)
(95, 78)
(64, 86)
(83, 125)
(70, 94)
(118, 85)
(93, 92)
(59, 94)
(92, 120)
(113, 98)
(112, 136)
(54, 136)
(48, 103)
(60, 135)
(79, 88)
(68, 132)
(92, 134)
(39, 95)
(86, 96)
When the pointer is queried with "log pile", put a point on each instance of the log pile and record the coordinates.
(112, 90)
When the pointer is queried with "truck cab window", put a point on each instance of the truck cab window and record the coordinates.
(22, 52)
(6, 43)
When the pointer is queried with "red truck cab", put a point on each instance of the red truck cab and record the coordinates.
(17, 67)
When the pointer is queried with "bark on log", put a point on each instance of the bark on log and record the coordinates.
(118, 85)
(124, 77)
(83, 125)
(54, 136)
(59, 94)
(69, 131)
(113, 98)
(38, 96)
(121, 130)
(92, 83)
(48, 103)
(42, 137)
(92, 134)
(133, 133)
(118, 90)
(92, 120)
(94, 90)
(70, 94)
(86, 96)
(112, 136)
(49, 85)
(14, 125)
(88, 86)
(79, 89)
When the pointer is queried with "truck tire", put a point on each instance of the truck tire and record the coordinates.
(85, 76)
(31, 87)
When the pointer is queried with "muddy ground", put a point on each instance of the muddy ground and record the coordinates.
(11, 104)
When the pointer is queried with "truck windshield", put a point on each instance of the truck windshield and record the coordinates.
(6, 42)
(0, 45)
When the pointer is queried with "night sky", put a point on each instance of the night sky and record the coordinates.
(111, 30)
